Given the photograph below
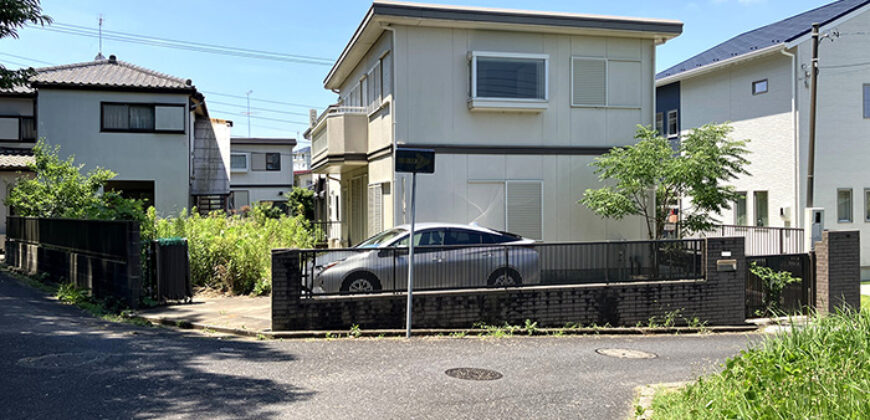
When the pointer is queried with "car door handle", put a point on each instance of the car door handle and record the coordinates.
(437, 259)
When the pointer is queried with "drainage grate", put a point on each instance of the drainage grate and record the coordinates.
(626, 353)
(473, 374)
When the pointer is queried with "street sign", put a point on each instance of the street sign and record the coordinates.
(414, 161)
(420, 161)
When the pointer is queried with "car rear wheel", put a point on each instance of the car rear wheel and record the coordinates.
(361, 283)
(505, 277)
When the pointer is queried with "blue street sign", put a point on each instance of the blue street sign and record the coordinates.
(421, 161)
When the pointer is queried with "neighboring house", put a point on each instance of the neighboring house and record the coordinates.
(131, 120)
(261, 171)
(302, 175)
(759, 82)
(515, 103)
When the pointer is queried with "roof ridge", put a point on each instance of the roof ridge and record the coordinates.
(152, 72)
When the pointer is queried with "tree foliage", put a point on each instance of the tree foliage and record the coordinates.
(14, 14)
(301, 202)
(648, 178)
(59, 189)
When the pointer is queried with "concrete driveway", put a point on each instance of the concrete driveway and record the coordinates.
(59, 363)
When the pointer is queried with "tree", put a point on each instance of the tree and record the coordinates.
(58, 189)
(705, 162)
(301, 202)
(13, 15)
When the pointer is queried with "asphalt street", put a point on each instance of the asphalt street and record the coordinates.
(57, 362)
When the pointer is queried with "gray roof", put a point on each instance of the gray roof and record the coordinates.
(776, 33)
(108, 74)
(263, 140)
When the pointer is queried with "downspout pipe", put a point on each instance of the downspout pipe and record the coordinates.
(795, 137)
(394, 116)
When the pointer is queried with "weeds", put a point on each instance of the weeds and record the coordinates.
(819, 371)
(354, 332)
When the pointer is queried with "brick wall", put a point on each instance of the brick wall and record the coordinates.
(66, 250)
(718, 299)
(838, 271)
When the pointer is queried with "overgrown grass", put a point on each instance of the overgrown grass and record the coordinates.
(820, 371)
(865, 302)
(233, 253)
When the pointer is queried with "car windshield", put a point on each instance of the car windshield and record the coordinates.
(381, 239)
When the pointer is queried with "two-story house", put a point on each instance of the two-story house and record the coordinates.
(515, 103)
(261, 170)
(302, 175)
(760, 83)
(150, 128)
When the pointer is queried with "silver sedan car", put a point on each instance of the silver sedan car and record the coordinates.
(445, 256)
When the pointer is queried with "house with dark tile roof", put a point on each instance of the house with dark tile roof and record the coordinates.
(759, 81)
(151, 128)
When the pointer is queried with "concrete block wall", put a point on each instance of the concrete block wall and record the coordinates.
(718, 299)
(838, 271)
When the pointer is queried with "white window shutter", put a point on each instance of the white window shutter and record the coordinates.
(375, 209)
(524, 209)
(589, 81)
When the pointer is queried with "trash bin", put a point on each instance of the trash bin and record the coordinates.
(171, 267)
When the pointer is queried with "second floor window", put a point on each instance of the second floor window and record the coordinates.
(141, 117)
(508, 76)
(673, 126)
(239, 162)
(273, 161)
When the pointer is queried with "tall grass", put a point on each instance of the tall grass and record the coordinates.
(233, 253)
(821, 371)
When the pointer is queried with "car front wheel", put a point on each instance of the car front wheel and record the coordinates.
(505, 277)
(361, 283)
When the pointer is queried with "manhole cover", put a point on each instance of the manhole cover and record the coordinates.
(473, 374)
(626, 353)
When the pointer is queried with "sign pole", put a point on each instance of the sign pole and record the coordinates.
(411, 255)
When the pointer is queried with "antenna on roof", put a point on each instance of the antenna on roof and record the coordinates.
(248, 95)
(100, 52)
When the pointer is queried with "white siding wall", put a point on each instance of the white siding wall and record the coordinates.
(71, 118)
(432, 92)
(843, 136)
(264, 185)
(766, 120)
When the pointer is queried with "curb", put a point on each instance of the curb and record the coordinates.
(432, 332)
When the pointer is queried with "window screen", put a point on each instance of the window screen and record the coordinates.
(258, 161)
(589, 81)
(761, 213)
(524, 209)
(866, 101)
(141, 117)
(510, 78)
(673, 123)
(28, 128)
(168, 118)
(116, 117)
(273, 161)
(844, 205)
(740, 210)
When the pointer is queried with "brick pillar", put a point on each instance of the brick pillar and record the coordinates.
(838, 271)
(286, 289)
(725, 298)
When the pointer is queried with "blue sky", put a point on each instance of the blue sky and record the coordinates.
(318, 29)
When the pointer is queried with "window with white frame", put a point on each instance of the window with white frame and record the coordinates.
(509, 76)
(673, 126)
(759, 87)
(844, 205)
(239, 162)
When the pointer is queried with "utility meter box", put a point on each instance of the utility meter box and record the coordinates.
(814, 225)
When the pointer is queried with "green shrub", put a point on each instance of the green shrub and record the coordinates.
(820, 371)
(233, 253)
(773, 283)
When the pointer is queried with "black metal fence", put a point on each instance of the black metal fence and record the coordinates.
(101, 238)
(762, 240)
(360, 270)
(795, 298)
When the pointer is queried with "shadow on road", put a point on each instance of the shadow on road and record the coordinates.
(59, 363)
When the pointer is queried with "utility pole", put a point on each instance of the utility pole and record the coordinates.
(814, 84)
(248, 96)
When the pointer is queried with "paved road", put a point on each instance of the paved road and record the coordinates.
(56, 362)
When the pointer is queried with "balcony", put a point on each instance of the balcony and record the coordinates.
(339, 140)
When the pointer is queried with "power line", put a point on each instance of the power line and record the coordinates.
(258, 108)
(261, 118)
(14, 63)
(26, 58)
(184, 45)
(268, 101)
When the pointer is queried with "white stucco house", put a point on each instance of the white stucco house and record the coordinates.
(759, 81)
(515, 103)
(150, 128)
(302, 175)
(261, 170)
